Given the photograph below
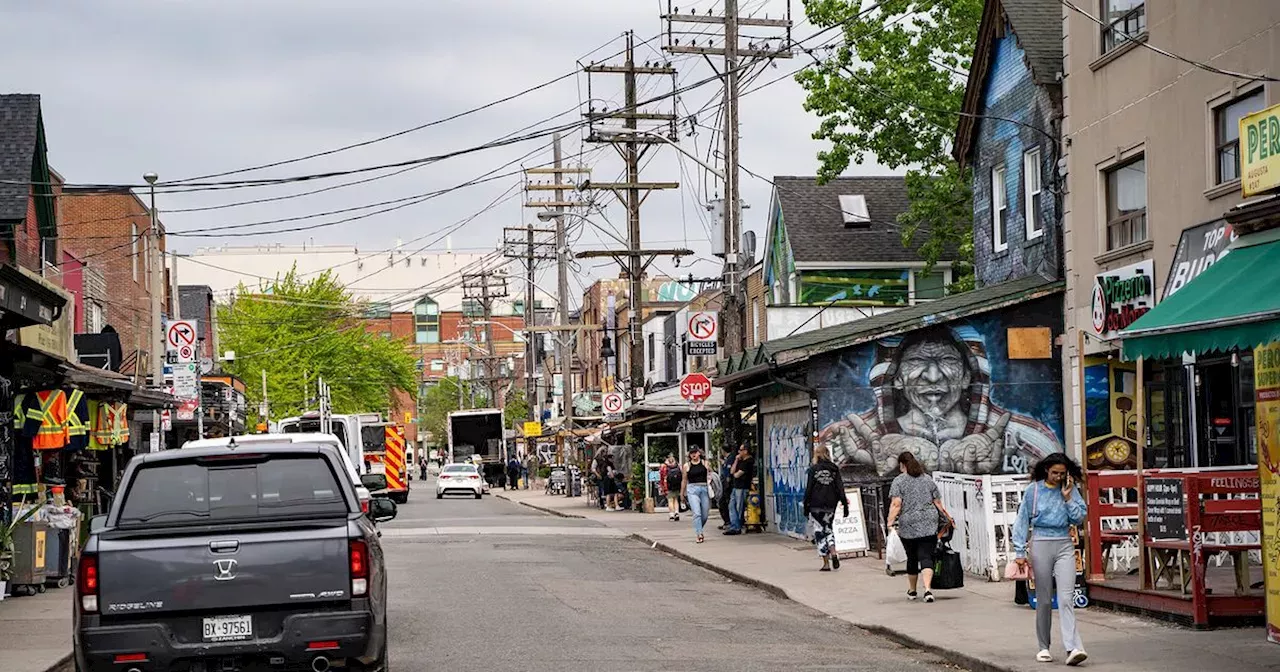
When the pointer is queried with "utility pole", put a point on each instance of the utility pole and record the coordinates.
(552, 209)
(633, 143)
(157, 318)
(485, 287)
(529, 245)
(732, 316)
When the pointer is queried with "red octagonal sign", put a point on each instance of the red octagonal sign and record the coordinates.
(695, 388)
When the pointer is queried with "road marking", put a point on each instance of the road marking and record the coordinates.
(502, 531)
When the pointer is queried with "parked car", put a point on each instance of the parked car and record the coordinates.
(459, 478)
(234, 557)
(252, 439)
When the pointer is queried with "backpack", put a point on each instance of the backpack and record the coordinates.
(675, 477)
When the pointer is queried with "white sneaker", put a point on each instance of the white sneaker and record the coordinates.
(1044, 656)
(1076, 657)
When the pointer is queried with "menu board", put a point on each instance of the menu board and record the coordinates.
(1166, 515)
(850, 531)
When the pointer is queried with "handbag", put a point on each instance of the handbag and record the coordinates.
(948, 572)
(1015, 571)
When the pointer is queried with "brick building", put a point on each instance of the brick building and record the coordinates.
(109, 229)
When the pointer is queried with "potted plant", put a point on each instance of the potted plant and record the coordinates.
(6, 544)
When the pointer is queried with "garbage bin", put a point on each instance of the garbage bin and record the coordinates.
(30, 544)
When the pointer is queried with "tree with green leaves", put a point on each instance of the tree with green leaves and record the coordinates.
(299, 331)
(892, 89)
(516, 410)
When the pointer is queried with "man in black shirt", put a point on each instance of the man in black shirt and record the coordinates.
(744, 469)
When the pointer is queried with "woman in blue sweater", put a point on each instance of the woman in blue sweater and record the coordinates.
(1050, 505)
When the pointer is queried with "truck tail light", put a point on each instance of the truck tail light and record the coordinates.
(359, 552)
(364, 506)
(87, 583)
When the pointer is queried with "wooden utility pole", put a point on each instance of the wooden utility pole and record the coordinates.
(530, 245)
(633, 142)
(484, 288)
(556, 207)
(732, 315)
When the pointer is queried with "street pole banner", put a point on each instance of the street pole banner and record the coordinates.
(1267, 391)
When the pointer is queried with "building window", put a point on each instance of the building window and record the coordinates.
(94, 320)
(426, 321)
(652, 351)
(931, 286)
(757, 321)
(472, 308)
(999, 211)
(1125, 19)
(517, 308)
(437, 365)
(1033, 210)
(137, 249)
(1226, 133)
(1127, 204)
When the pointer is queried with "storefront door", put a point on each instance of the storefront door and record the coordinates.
(656, 449)
(1225, 412)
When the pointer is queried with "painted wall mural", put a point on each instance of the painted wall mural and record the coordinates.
(788, 468)
(948, 393)
(1110, 414)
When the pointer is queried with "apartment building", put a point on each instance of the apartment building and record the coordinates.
(1151, 166)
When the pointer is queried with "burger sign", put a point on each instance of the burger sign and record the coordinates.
(1121, 296)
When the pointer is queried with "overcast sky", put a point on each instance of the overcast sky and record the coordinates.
(191, 88)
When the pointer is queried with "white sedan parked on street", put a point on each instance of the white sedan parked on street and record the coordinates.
(459, 478)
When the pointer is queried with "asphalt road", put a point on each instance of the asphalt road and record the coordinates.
(493, 586)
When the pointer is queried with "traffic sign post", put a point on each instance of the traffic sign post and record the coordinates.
(180, 338)
(701, 331)
(613, 403)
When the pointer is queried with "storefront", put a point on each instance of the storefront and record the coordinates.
(666, 424)
(1197, 356)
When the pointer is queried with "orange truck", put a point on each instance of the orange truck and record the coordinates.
(384, 450)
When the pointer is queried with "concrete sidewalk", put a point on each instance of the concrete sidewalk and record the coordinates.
(978, 627)
(35, 632)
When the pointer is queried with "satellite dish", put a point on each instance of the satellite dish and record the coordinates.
(206, 365)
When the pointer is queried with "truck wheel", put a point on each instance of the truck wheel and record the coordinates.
(479, 496)
(439, 495)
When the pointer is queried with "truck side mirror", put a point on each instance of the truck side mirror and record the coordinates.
(97, 523)
(382, 509)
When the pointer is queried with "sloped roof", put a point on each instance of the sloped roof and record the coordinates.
(19, 130)
(815, 221)
(792, 349)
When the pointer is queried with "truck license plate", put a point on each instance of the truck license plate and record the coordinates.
(228, 628)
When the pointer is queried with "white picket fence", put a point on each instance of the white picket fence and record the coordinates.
(985, 508)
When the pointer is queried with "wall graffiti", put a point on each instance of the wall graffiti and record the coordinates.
(949, 394)
(788, 469)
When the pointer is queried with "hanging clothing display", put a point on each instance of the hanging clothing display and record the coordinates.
(6, 448)
(45, 418)
(23, 429)
(109, 424)
(77, 420)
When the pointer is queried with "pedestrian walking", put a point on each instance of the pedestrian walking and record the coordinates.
(726, 485)
(671, 481)
(697, 491)
(825, 489)
(1050, 505)
(531, 466)
(917, 512)
(744, 469)
(422, 465)
(609, 482)
(513, 473)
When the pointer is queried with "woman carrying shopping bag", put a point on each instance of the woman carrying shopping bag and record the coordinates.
(916, 510)
(1050, 505)
(825, 489)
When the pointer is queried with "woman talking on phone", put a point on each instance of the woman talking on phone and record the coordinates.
(1050, 505)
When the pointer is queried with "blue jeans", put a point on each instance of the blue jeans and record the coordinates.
(737, 508)
(699, 505)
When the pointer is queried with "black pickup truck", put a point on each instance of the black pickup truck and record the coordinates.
(231, 559)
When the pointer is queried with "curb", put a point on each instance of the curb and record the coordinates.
(776, 591)
(65, 664)
(539, 508)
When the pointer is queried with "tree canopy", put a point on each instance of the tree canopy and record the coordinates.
(892, 88)
(300, 331)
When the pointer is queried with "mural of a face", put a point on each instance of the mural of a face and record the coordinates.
(933, 375)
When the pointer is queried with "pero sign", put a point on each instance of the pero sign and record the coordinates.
(1260, 151)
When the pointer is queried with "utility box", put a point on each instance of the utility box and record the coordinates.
(30, 543)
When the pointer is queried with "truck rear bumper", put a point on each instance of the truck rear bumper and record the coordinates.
(303, 637)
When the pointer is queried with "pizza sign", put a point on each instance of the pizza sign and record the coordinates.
(1121, 296)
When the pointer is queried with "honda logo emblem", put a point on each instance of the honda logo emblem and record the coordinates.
(226, 569)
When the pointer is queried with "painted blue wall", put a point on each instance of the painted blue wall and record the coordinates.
(1011, 93)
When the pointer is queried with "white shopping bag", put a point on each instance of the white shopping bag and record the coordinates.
(895, 553)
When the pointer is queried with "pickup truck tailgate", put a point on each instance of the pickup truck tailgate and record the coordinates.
(288, 566)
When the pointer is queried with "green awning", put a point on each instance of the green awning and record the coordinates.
(1235, 303)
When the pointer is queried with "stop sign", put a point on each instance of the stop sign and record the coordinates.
(695, 388)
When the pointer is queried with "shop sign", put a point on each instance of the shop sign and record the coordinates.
(850, 532)
(1166, 515)
(58, 335)
(1266, 362)
(692, 424)
(533, 429)
(1121, 296)
(1199, 248)
(1260, 151)
(15, 298)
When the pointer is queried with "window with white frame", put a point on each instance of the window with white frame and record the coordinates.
(999, 211)
(1127, 204)
(1033, 211)
(426, 321)
(1226, 133)
(437, 365)
(94, 320)
(1125, 19)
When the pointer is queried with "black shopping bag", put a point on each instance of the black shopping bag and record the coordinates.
(948, 574)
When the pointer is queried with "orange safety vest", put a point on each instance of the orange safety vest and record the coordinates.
(110, 425)
(52, 416)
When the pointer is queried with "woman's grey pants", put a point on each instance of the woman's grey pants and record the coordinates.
(1055, 559)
